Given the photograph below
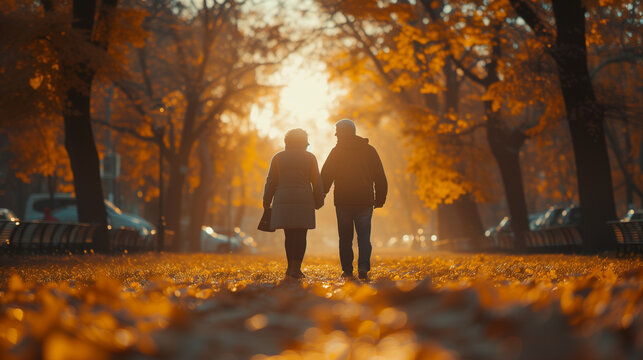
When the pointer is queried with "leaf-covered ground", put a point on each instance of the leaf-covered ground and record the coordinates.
(433, 306)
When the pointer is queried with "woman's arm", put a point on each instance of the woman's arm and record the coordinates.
(317, 182)
(271, 182)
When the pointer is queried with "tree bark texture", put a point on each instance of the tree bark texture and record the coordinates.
(200, 199)
(178, 172)
(79, 136)
(505, 147)
(461, 219)
(241, 209)
(585, 118)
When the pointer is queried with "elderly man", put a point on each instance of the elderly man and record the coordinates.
(360, 185)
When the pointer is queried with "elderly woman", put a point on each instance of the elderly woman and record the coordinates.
(294, 188)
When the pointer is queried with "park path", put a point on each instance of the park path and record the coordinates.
(205, 306)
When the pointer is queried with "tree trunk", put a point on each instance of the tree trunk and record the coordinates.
(586, 125)
(83, 158)
(505, 147)
(449, 222)
(178, 172)
(241, 209)
(79, 136)
(174, 202)
(470, 221)
(197, 216)
(624, 162)
(200, 199)
(640, 162)
(462, 218)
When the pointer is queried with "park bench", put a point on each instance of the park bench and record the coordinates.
(565, 239)
(127, 240)
(561, 239)
(45, 237)
(629, 236)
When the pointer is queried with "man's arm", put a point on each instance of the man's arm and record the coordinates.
(328, 172)
(381, 185)
(271, 183)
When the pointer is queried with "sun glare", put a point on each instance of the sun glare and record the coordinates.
(305, 102)
(306, 96)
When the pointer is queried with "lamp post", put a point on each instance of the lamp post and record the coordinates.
(159, 134)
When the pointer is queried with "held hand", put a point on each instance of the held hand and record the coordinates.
(379, 203)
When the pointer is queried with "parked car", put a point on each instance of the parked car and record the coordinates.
(490, 231)
(64, 210)
(549, 218)
(534, 219)
(503, 226)
(505, 223)
(248, 243)
(633, 215)
(145, 223)
(6, 214)
(212, 241)
(570, 216)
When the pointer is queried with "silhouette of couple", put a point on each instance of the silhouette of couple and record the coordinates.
(295, 189)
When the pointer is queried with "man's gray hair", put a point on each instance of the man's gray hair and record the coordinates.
(345, 126)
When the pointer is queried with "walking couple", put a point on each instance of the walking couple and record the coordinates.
(295, 189)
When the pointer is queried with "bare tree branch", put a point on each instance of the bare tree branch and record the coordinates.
(531, 18)
(469, 130)
(631, 55)
(135, 100)
(125, 130)
(621, 163)
(183, 66)
(142, 60)
(470, 74)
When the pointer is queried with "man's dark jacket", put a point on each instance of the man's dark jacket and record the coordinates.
(354, 166)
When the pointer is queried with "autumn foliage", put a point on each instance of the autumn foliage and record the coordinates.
(418, 307)
(476, 92)
(476, 85)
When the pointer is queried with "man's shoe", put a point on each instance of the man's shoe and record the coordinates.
(363, 275)
(296, 270)
(348, 276)
(295, 274)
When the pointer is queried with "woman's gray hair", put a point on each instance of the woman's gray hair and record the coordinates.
(296, 137)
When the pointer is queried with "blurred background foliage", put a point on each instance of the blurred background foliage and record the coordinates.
(462, 99)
